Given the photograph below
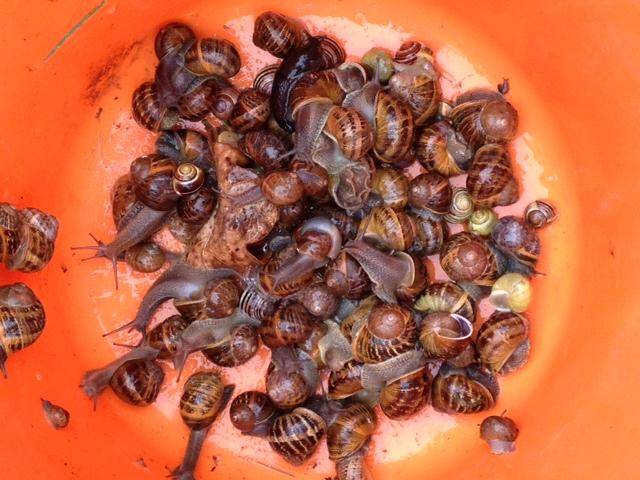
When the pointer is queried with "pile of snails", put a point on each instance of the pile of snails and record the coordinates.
(310, 206)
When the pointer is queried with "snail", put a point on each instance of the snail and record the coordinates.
(350, 430)
(352, 467)
(392, 186)
(164, 337)
(430, 235)
(315, 182)
(255, 303)
(152, 178)
(296, 435)
(290, 217)
(221, 296)
(350, 130)
(378, 62)
(440, 148)
(444, 335)
(57, 416)
(413, 53)
(27, 238)
(490, 180)
(463, 390)
(482, 221)
(172, 37)
(124, 202)
(540, 213)
(347, 224)
(282, 188)
(290, 324)
(224, 103)
(251, 111)
(466, 257)
(263, 81)
(406, 395)
(500, 433)
(511, 292)
(265, 148)
(278, 34)
(519, 242)
(197, 207)
(357, 316)
(345, 381)
(150, 112)
(145, 257)
(409, 291)
(329, 347)
(252, 413)
(203, 397)
(22, 320)
(346, 278)
(213, 56)
(187, 179)
(375, 376)
(430, 191)
(182, 231)
(447, 297)
(388, 331)
(235, 348)
(292, 377)
(388, 228)
(419, 88)
(483, 116)
(318, 300)
(197, 103)
(393, 128)
(185, 146)
(503, 342)
(461, 207)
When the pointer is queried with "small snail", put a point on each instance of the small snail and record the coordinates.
(405, 396)
(430, 191)
(519, 241)
(511, 293)
(378, 62)
(124, 202)
(439, 147)
(146, 257)
(213, 56)
(22, 320)
(500, 433)
(250, 111)
(412, 52)
(392, 186)
(171, 38)
(203, 397)
(490, 180)
(282, 188)
(252, 413)
(152, 177)
(467, 258)
(350, 131)
(235, 348)
(197, 207)
(319, 300)
(196, 104)
(290, 217)
(419, 89)
(389, 228)
(257, 304)
(482, 221)
(461, 207)
(447, 297)
(315, 180)
(278, 34)
(292, 377)
(296, 435)
(263, 81)
(222, 296)
(265, 148)
(149, 111)
(345, 381)
(223, 105)
(388, 331)
(346, 278)
(350, 430)
(463, 390)
(185, 146)
(540, 213)
(187, 178)
(57, 416)
(431, 233)
(503, 342)
(444, 335)
(289, 325)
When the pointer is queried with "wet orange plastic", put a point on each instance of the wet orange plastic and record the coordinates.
(68, 69)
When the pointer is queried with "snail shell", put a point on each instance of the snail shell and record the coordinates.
(410, 291)
(411, 52)
(332, 52)
(195, 104)
(350, 430)
(146, 257)
(171, 38)
(188, 178)
(351, 132)
(22, 320)
(519, 240)
(318, 300)
(323, 87)
(296, 435)
(388, 331)
(289, 324)
(263, 82)
(392, 186)
(275, 280)
(466, 257)
(358, 316)
(256, 303)
(124, 203)
(540, 213)
(499, 338)
(468, 390)
(149, 111)
(152, 177)
(137, 382)
(185, 146)
(196, 208)
(238, 347)
(445, 335)
(405, 396)
(388, 227)
(224, 103)
(431, 233)
(291, 216)
(265, 148)
(461, 207)
(278, 34)
(500, 433)
(345, 223)
(222, 296)
(346, 278)
(213, 56)
(282, 188)
(420, 91)
(447, 297)
(57, 416)
(393, 128)
(250, 111)
(202, 398)
(252, 413)
(482, 221)
(165, 337)
(292, 377)
(346, 381)
(315, 181)
(490, 179)
(430, 191)
(439, 147)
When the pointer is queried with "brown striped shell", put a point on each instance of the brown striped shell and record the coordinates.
(188, 178)
(405, 396)
(269, 275)
(439, 147)
(197, 207)
(171, 38)
(393, 128)
(392, 186)
(431, 233)
(350, 430)
(447, 297)
(500, 433)
(463, 390)
(319, 301)
(332, 52)
(222, 296)
(430, 191)
(213, 56)
(351, 132)
(251, 111)
(490, 179)
(22, 320)
(315, 181)
(282, 188)
(124, 203)
(540, 213)
(263, 81)
(346, 278)
(256, 303)
(345, 382)
(388, 227)
(166, 335)
(466, 257)
(10, 225)
(517, 239)
(296, 435)
(197, 103)
(352, 467)
(278, 34)
(152, 177)
(503, 342)
(265, 148)
(408, 292)
(289, 324)
(292, 377)
(185, 146)
(224, 103)
(444, 335)
(145, 257)
(420, 91)
(238, 347)
(252, 413)
(358, 316)
(388, 331)
(203, 395)
(411, 51)
(149, 111)
(137, 382)
(347, 224)
(322, 86)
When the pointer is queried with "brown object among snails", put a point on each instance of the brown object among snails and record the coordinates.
(213, 56)
(319, 300)
(149, 111)
(352, 467)
(406, 396)
(282, 188)
(445, 335)
(447, 297)
(292, 377)
(57, 416)
(466, 257)
(431, 233)
(185, 146)
(519, 241)
(224, 103)
(346, 278)
(503, 342)
(408, 292)
(392, 186)
(145, 257)
(463, 390)
(393, 131)
(314, 178)
(188, 178)
(290, 324)
(152, 177)
(346, 381)
(265, 148)
(389, 228)
(296, 435)
(490, 179)
(171, 38)
(165, 337)
(197, 103)
(252, 413)
(350, 430)
(278, 34)
(500, 433)
(22, 320)
(250, 112)
(540, 213)
(235, 348)
(196, 208)
(263, 81)
(420, 90)
(440, 148)
(430, 191)
(137, 382)
(351, 132)
(222, 296)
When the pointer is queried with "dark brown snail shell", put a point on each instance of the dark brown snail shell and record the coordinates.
(57, 416)
(265, 148)
(195, 104)
(411, 290)
(320, 86)
(490, 180)
(187, 178)
(222, 297)
(292, 215)
(347, 224)
(431, 233)
(171, 38)
(411, 52)
(350, 430)
(314, 179)
(213, 56)
(351, 132)
(332, 52)
(263, 81)
(137, 382)
(236, 348)
(149, 111)
(319, 300)
(540, 213)
(257, 304)
(346, 278)
(292, 377)
(22, 320)
(388, 331)
(447, 297)
(252, 413)
(152, 177)
(185, 146)
(390, 228)
(430, 191)
(393, 128)
(466, 257)
(405, 396)
(196, 208)
(463, 390)
(165, 337)
(123, 201)
(202, 397)
(420, 91)
(251, 111)
(282, 188)
(269, 275)
(503, 342)
(444, 335)
(145, 257)
(517, 239)
(289, 325)
(224, 104)
(440, 148)
(278, 34)
(500, 433)
(296, 435)
(345, 382)
(358, 316)
(392, 186)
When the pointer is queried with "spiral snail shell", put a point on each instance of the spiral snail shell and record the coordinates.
(406, 395)
(518, 240)
(315, 182)
(392, 186)
(146, 257)
(187, 178)
(265, 148)
(292, 377)
(197, 207)
(352, 467)
(482, 221)
(165, 336)
(137, 382)
(467, 258)
(213, 56)
(540, 213)
(411, 52)
(152, 177)
(263, 81)
(420, 91)
(318, 300)
(222, 296)
(296, 435)
(444, 335)
(345, 381)
(346, 278)
(431, 233)
(393, 229)
(171, 38)
(463, 390)
(511, 293)
(490, 179)
(503, 342)
(393, 128)
(252, 413)
(278, 34)
(439, 147)
(224, 103)
(197, 103)
(351, 132)
(185, 146)
(461, 207)
(234, 349)
(289, 324)
(149, 111)
(250, 111)
(22, 320)
(430, 191)
(202, 398)
(350, 430)
(447, 297)
(500, 433)
(282, 188)
(322, 86)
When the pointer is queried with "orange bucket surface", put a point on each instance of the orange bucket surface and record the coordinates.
(69, 69)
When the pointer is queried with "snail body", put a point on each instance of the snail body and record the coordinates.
(345, 277)
(252, 413)
(296, 435)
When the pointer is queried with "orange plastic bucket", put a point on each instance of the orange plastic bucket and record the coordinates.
(69, 68)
